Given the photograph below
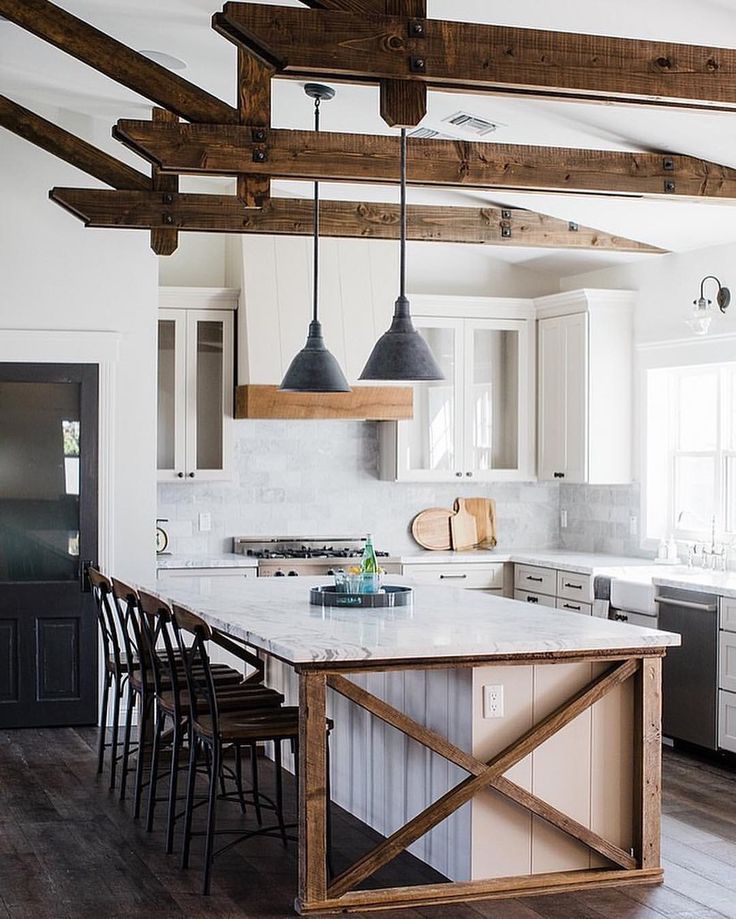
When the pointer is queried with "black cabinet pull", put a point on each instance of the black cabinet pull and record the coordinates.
(559, 475)
(530, 578)
(574, 586)
(448, 577)
(570, 606)
(532, 599)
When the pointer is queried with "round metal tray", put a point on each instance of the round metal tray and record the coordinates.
(388, 596)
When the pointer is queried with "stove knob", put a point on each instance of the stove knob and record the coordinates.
(293, 574)
(278, 574)
(331, 572)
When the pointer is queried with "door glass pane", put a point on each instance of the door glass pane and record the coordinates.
(695, 486)
(431, 443)
(494, 399)
(166, 394)
(210, 407)
(40, 439)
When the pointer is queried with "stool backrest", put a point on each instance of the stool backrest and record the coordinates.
(157, 621)
(193, 635)
(106, 619)
(135, 638)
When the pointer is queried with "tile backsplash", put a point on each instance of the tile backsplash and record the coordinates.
(312, 478)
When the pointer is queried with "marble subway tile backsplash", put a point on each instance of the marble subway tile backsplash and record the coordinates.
(320, 478)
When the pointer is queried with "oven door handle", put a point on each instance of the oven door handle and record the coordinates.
(686, 604)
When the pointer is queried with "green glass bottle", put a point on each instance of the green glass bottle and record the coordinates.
(369, 562)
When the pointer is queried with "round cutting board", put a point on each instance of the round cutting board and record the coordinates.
(431, 528)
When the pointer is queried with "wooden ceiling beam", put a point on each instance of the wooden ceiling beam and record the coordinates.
(164, 239)
(345, 219)
(254, 110)
(335, 44)
(68, 147)
(403, 103)
(327, 156)
(117, 61)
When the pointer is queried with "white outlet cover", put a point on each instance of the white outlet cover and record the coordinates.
(205, 523)
(493, 701)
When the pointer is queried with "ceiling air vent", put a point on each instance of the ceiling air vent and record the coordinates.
(429, 134)
(471, 124)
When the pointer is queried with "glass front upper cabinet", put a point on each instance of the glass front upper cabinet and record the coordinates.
(195, 393)
(477, 422)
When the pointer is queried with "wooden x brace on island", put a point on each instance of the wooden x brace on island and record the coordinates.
(642, 865)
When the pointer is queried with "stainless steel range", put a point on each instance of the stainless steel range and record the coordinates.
(290, 556)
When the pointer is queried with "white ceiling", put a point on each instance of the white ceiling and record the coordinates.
(44, 79)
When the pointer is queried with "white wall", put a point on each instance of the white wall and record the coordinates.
(57, 275)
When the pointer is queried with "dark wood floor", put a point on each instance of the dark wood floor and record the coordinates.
(68, 849)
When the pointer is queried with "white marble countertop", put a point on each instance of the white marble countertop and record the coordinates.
(722, 583)
(442, 623)
(564, 559)
(226, 560)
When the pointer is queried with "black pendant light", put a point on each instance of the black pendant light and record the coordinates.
(315, 369)
(401, 354)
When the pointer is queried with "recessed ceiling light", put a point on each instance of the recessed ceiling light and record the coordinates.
(165, 60)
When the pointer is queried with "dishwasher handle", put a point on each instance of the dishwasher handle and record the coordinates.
(686, 604)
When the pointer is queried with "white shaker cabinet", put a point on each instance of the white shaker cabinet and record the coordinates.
(195, 383)
(477, 423)
(585, 350)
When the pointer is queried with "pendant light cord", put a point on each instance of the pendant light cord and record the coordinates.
(402, 266)
(315, 274)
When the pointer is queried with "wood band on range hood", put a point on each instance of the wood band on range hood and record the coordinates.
(364, 403)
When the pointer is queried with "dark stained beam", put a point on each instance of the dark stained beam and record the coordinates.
(228, 150)
(469, 56)
(404, 102)
(254, 110)
(117, 61)
(164, 240)
(68, 147)
(293, 217)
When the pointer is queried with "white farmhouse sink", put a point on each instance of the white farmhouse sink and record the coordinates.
(632, 588)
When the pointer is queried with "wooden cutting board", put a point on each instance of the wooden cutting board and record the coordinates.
(484, 511)
(463, 528)
(431, 529)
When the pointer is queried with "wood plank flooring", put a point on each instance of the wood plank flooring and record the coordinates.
(68, 849)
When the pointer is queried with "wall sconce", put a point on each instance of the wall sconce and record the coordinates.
(703, 312)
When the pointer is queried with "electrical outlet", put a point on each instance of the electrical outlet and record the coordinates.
(205, 523)
(633, 525)
(493, 701)
(563, 518)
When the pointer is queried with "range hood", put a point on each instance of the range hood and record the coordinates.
(363, 403)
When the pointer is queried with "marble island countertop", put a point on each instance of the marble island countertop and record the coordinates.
(442, 623)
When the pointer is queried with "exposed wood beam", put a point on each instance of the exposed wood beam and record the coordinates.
(293, 217)
(404, 102)
(254, 109)
(349, 6)
(228, 150)
(68, 147)
(117, 61)
(164, 239)
(468, 56)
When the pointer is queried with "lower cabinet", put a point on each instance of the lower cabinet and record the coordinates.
(563, 590)
(472, 576)
(727, 720)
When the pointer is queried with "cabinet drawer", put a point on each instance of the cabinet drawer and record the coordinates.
(727, 660)
(727, 721)
(728, 614)
(578, 587)
(479, 577)
(572, 606)
(529, 597)
(166, 574)
(538, 580)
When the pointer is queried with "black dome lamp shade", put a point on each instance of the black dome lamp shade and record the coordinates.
(315, 369)
(401, 354)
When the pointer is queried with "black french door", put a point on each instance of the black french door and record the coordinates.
(48, 533)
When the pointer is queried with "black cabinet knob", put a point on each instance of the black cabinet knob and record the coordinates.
(191, 475)
(180, 475)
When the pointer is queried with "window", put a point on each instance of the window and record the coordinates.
(691, 451)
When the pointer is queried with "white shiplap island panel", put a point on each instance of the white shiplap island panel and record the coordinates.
(431, 662)
(274, 614)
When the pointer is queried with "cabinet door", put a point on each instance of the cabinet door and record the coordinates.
(563, 397)
(209, 393)
(496, 413)
(430, 446)
(172, 334)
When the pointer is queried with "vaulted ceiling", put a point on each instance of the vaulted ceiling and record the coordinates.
(44, 79)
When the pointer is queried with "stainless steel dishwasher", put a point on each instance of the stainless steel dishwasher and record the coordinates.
(690, 672)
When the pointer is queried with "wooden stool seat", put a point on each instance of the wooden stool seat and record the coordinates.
(228, 698)
(251, 726)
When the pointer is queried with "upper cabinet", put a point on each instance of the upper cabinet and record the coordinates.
(477, 423)
(195, 383)
(585, 343)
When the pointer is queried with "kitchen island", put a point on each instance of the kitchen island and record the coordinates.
(579, 704)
